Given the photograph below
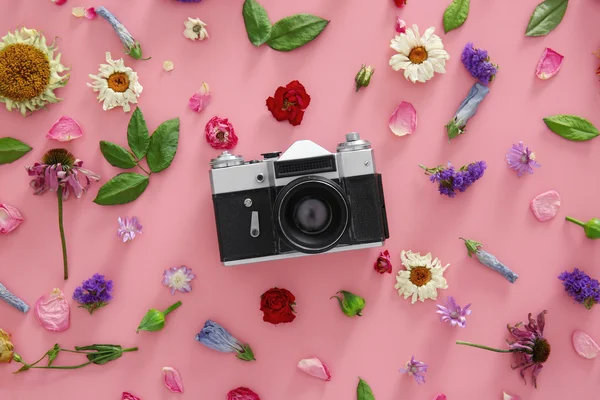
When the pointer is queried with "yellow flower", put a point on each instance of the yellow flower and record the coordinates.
(6, 347)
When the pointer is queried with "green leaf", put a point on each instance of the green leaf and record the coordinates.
(456, 14)
(12, 149)
(572, 127)
(116, 155)
(546, 16)
(138, 137)
(163, 145)
(123, 188)
(295, 31)
(258, 24)
(363, 391)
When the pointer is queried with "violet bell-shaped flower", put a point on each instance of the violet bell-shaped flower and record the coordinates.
(466, 110)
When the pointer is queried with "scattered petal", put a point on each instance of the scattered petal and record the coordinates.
(440, 397)
(10, 219)
(510, 397)
(168, 66)
(400, 25)
(404, 120)
(545, 206)
(315, 367)
(78, 12)
(90, 13)
(242, 393)
(199, 101)
(549, 64)
(173, 380)
(584, 345)
(59, 2)
(65, 130)
(53, 311)
(129, 396)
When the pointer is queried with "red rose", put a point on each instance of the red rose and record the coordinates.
(289, 103)
(278, 306)
(400, 3)
(383, 263)
(242, 393)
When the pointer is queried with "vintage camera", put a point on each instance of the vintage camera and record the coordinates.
(304, 201)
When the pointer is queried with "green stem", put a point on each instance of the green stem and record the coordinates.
(143, 169)
(130, 349)
(62, 232)
(575, 221)
(479, 346)
(173, 307)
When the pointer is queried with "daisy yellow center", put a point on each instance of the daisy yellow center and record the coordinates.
(24, 72)
(420, 276)
(118, 82)
(418, 55)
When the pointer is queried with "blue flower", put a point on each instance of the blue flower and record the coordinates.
(215, 337)
(466, 110)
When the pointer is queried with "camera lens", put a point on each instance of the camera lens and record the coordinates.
(312, 215)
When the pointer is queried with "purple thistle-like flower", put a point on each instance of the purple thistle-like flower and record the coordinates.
(94, 293)
(178, 278)
(581, 287)
(451, 181)
(477, 62)
(416, 369)
(128, 228)
(521, 159)
(453, 313)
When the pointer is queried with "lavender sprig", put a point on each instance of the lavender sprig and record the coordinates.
(451, 181)
(13, 300)
(489, 260)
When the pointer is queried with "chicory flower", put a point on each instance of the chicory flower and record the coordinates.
(53, 311)
(172, 380)
(454, 314)
(154, 320)
(10, 219)
(466, 110)
(13, 300)
(315, 367)
(132, 47)
(591, 228)
(178, 278)
(215, 337)
(521, 159)
(489, 260)
(363, 77)
(128, 228)
(350, 304)
(416, 369)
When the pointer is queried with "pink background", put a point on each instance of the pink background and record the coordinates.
(176, 210)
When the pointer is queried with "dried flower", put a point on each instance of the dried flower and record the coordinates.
(591, 228)
(132, 47)
(452, 313)
(584, 345)
(117, 85)
(195, 29)
(404, 119)
(363, 77)
(220, 133)
(215, 337)
(168, 66)
(400, 3)
(466, 110)
(200, 100)
(530, 348)
(6, 348)
(383, 263)
(80, 12)
(545, 206)
(450, 181)
(94, 293)
(416, 369)
(278, 306)
(65, 130)
(477, 62)
(178, 278)
(154, 320)
(10, 219)
(289, 103)
(242, 393)
(521, 159)
(422, 277)
(53, 311)
(12, 300)
(315, 367)
(172, 380)
(128, 228)
(129, 396)
(400, 25)
(581, 287)
(350, 304)
(489, 260)
(549, 64)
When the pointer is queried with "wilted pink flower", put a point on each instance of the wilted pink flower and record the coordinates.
(64, 130)
(53, 311)
(173, 380)
(383, 263)
(128, 228)
(129, 396)
(220, 134)
(199, 101)
(10, 219)
(549, 64)
(400, 25)
(315, 367)
(242, 393)
(404, 120)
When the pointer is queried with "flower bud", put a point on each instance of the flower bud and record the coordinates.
(154, 320)
(6, 347)
(363, 77)
(53, 311)
(350, 303)
(591, 228)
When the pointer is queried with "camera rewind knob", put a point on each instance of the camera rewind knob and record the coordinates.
(353, 142)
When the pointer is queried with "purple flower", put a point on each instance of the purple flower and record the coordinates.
(128, 228)
(94, 293)
(450, 181)
(415, 369)
(477, 62)
(530, 347)
(453, 313)
(581, 287)
(521, 159)
(178, 278)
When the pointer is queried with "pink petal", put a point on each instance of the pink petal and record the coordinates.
(64, 130)
(440, 397)
(129, 396)
(400, 25)
(199, 101)
(90, 13)
(10, 219)
(315, 367)
(59, 2)
(584, 345)
(173, 380)
(510, 397)
(549, 64)
(545, 206)
(404, 120)
(53, 311)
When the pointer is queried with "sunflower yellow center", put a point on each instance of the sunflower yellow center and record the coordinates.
(118, 82)
(24, 72)
(420, 276)
(418, 55)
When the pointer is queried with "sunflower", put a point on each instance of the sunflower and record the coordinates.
(30, 71)
(116, 84)
(422, 277)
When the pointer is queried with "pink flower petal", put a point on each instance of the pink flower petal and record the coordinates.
(510, 397)
(53, 311)
(129, 396)
(173, 380)
(549, 64)
(584, 345)
(64, 130)
(400, 25)
(404, 120)
(315, 367)
(545, 206)
(59, 2)
(10, 219)
(200, 100)
(440, 397)
(90, 13)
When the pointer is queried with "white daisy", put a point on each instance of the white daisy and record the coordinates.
(116, 84)
(195, 29)
(420, 56)
(422, 277)
(29, 71)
